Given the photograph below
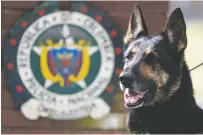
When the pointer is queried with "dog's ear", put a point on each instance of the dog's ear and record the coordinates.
(136, 25)
(175, 30)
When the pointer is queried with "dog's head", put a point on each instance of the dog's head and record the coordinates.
(152, 67)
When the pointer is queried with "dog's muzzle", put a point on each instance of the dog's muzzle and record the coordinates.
(126, 79)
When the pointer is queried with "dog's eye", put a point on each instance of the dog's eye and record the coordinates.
(153, 61)
(129, 56)
(149, 59)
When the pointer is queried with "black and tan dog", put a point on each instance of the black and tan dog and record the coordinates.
(155, 79)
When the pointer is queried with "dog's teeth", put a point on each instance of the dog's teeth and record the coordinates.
(127, 91)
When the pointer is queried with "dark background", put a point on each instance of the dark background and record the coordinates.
(155, 14)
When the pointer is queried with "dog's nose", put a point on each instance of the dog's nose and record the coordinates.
(126, 79)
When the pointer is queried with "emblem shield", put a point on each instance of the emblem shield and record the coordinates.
(65, 62)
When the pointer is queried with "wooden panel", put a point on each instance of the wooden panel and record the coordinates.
(110, 6)
(19, 4)
(126, 6)
(112, 121)
(3, 80)
(59, 131)
(31, 131)
(154, 7)
(14, 118)
(4, 35)
(155, 23)
(118, 15)
(6, 101)
(11, 16)
(118, 104)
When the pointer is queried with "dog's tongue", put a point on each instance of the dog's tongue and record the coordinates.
(131, 97)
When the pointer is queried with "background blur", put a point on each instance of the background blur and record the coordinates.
(155, 14)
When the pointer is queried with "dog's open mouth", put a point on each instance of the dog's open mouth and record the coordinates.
(133, 99)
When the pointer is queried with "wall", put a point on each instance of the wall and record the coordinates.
(12, 120)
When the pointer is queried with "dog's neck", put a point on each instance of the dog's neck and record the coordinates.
(185, 91)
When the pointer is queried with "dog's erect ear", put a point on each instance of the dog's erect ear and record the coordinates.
(136, 25)
(175, 29)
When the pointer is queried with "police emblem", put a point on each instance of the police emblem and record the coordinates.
(63, 64)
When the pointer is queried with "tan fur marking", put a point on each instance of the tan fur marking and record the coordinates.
(133, 50)
(159, 85)
(160, 78)
(181, 46)
(148, 51)
(127, 39)
(163, 79)
(145, 70)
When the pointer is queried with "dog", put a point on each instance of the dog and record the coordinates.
(155, 78)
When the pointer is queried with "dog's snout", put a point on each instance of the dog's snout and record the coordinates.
(126, 78)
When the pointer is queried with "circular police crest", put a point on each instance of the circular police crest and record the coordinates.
(64, 62)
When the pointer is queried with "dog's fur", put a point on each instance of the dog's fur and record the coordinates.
(157, 64)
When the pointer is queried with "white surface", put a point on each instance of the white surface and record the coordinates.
(100, 110)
